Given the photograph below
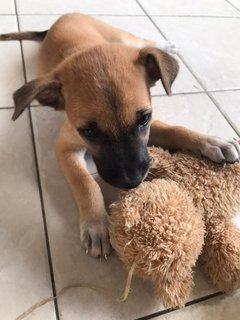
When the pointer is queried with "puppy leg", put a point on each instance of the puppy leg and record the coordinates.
(89, 199)
(177, 138)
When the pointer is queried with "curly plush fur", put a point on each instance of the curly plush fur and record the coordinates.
(159, 226)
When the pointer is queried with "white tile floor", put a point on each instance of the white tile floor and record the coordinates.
(206, 98)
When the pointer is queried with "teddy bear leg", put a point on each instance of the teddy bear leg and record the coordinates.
(221, 254)
(174, 292)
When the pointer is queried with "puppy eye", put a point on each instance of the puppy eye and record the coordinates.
(90, 132)
(143, 119)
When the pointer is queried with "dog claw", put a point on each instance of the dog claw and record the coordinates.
(105, 256)
(94, 237)
(220, 150)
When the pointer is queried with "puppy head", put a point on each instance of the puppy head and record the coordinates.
(105, 92)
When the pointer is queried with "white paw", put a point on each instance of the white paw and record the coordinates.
(171, 47)
(94, 237)
(220, 150)
(168, 46)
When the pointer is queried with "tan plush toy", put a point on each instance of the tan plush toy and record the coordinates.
(189, 207)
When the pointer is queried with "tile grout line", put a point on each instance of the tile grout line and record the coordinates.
(208, 93)
(62, 13)
(196, 92)
(126, 15)
(223, 90)
(188, 304)
(12, 107)
(39, 185)
(193, 16)
(192, 73)
(7, 108)
(223, 112)
(233, 5)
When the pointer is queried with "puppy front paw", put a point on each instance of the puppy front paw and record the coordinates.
(220, 150)
(94, 236)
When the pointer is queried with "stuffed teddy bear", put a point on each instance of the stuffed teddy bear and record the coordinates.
(189, 206)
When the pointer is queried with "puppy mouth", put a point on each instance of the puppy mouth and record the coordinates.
(145, 175)
(125, 184)
(128, 175)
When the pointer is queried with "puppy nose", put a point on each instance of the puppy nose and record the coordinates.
(133, 177)
(136, 171)
(130, 184)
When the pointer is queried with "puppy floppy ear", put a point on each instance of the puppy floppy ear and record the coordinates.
(159, 65)
(46, 90)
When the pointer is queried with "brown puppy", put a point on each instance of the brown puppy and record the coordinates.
(101, 77)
